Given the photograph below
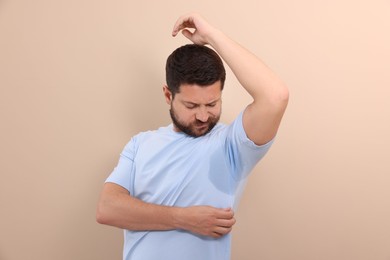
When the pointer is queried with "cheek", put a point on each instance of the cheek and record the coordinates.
(215, 111)
(181, 112)
(188, 116)
(185, 115)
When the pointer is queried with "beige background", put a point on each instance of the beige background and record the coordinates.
(78, 78)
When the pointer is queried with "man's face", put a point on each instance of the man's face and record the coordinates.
(195, 110)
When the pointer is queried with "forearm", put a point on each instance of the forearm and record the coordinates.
(124, 211)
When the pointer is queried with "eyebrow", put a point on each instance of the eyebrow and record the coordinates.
(196, 104)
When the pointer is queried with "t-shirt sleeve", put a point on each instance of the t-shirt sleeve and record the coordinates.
(124, 171)
(243, 153)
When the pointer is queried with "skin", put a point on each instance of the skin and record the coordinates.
(261, 120)
(196, 109)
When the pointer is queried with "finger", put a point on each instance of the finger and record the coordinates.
(225, 214)
(228, 209)
(182, 23)
(228, 223)
(222, 231)
(215, 235)
(187, 34)
(178, 26)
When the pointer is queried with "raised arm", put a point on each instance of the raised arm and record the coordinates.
(262, 117)
(118, 208)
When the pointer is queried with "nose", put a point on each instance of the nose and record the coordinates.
(202, 115)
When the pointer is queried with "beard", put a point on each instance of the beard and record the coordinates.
(196, 128)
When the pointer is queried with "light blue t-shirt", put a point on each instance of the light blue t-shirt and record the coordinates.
(170, 168)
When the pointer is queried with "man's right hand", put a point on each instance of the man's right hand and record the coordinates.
(206, 220)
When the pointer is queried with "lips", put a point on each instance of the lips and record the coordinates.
(201, 126)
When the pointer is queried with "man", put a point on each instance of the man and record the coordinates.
(174, 189)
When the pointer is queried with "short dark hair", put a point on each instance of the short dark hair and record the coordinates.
(193, 64)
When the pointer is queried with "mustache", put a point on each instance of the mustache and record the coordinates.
(200, 123)
(210, 120)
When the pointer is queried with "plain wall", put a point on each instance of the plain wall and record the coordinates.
(79, 78)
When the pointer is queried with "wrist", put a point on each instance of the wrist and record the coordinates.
(215, 37)
(177, 215)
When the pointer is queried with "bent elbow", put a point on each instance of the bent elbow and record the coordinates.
(284, 95)
(101, 215)
(281, 98)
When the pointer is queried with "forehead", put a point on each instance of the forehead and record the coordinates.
(199, 94)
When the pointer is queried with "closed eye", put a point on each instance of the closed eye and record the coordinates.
(191, 106)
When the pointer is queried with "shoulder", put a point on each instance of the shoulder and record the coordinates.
(144, 135)
(153, 138)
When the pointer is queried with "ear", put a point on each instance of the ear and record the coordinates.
(167, 94)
